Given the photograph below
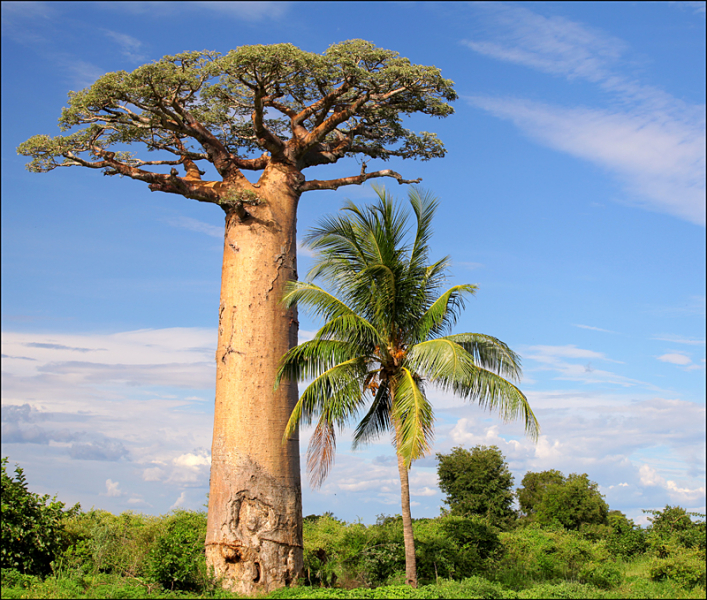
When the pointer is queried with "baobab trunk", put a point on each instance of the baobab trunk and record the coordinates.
(254, 536)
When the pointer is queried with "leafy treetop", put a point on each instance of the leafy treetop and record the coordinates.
(254, 108)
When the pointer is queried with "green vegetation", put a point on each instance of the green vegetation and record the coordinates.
(477, 482)
(95, 554)
(32, 532)
(574, 502)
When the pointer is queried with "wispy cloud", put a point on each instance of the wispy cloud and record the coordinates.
(594, 328)
(241, 11)
(697, 7)
(577, 364)
(677, 339)
(652, 142)
(130, 47)
(196, 225)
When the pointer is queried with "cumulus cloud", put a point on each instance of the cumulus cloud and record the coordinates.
(652, 142)
(112, 488)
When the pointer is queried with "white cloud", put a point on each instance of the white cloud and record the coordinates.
(179, 501)
(554, 45)
(594, 328)
(677, 339)
(130, 46)
(675, 358)
(304, 250)
(196, 225)
(193, 460)
(240, 10)
(654, 144)
(112, 488)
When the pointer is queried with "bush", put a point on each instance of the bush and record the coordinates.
(603, 575)
(177, 559)
(684, 566)
(625, 539)
(32, 526)
(675, 525)
(105, 543)
(537, 554)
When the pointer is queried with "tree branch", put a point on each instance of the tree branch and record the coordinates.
(332, 184)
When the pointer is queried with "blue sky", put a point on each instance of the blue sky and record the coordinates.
(573, 195)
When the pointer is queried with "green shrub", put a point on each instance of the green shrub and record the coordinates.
(105, 543)
(603, 575)
(12, 578)
(684, 566)
(177, 559)
(32, 526)
(542, 554)
(625, 539)
(675, 525)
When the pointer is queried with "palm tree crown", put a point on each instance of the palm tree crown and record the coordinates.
(384, 339)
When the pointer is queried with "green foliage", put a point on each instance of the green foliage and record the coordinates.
(675, 525)
(625, 538)
(32, 525)
(177, 559)
(542, 554)
(276, 99)
(107, 543)
(533, 488)
(572, 503)
(477, 482)
(684, 566)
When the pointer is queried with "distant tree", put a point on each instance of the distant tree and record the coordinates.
(32, 525)
(533, 488)
(477, 482)
(675, 524)
(573, 502)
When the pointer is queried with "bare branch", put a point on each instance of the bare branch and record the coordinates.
(332, 184)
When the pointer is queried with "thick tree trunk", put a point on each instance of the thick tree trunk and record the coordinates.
(254, 536)
(410, 562)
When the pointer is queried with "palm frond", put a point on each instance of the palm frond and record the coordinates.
(490, 353)
(336, 392)
(449, 366)
(413, 417)
(321, 452)
(424, 205)
(315, 357)
(443, 312)
(377, 420)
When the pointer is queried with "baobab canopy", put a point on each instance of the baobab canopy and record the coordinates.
(252, 107)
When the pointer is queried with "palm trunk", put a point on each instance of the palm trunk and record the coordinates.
(410, 562)
(254, 535)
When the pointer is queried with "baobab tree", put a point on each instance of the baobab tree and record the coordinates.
(274, 110)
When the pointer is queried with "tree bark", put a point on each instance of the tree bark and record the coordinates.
(410, 562)
(254, 535)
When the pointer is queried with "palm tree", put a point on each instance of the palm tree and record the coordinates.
(384, 342)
